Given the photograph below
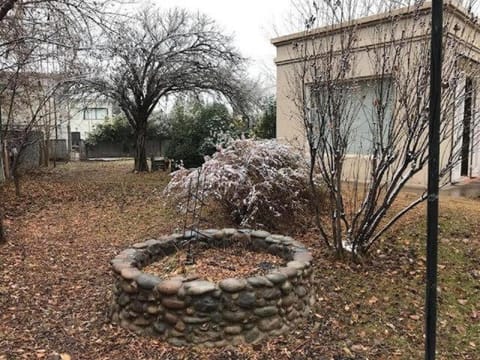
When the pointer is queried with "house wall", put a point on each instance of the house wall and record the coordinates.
(372, 33)
(85, 126)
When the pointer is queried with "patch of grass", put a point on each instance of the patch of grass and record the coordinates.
(459, 317)
(380, 307)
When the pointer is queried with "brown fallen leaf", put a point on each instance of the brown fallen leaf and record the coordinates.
(347, 351)
(359, 348)
(461, 329)
(391, 326)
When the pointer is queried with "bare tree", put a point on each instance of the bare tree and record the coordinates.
(157, 54)
(365, 114)
(28, 115)
(39, 43)
(70, 10)
(45, 36)
(38, 56)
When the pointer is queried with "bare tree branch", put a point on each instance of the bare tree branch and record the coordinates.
(364, 108)
(156, 54)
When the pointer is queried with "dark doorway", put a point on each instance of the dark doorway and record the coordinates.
(75, 139)
(467, 120)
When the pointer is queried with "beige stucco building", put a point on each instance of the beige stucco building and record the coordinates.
(390, 48)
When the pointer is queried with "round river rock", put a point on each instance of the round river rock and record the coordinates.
(188, 311)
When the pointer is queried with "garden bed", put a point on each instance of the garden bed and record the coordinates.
(214, 264)
(261, 301)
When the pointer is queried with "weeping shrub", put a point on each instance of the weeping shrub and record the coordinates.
(260, 184)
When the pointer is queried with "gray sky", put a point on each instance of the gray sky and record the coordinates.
(251, 22)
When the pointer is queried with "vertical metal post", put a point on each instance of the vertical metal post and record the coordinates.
(433, 179)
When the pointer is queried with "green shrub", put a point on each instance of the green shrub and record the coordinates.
(196, 128)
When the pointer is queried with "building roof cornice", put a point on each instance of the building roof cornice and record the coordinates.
(450, 6)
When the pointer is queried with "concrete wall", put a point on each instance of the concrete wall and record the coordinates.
(30, 156)
(372, 34)
(58, 149)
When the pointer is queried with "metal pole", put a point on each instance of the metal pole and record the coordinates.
(433, 179)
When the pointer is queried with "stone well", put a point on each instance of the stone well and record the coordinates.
(197, 312)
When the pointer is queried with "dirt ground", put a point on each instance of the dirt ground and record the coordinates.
(55, 277)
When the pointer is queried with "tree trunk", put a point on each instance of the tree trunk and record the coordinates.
(2, 167)
(2, 201)
(16, 174)
(140, 151)
(16, 181)
(3, 239)
(46, 154)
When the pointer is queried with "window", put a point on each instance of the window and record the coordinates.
(467, 127)
(95, 113)
(357, 104)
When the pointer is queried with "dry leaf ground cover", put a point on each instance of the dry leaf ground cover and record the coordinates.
(214, 264)
(55, 279)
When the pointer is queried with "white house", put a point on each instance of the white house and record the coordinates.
(79, 119)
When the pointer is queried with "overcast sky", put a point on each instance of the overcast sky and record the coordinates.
(251, 22)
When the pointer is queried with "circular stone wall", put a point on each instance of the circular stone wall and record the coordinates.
(232, 311)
